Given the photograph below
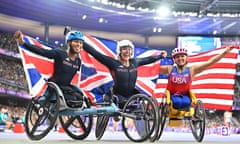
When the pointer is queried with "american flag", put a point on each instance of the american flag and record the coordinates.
(214, 86)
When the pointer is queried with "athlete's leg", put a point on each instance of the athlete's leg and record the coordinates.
(186, 102)
(177, 102)
(48, 91)
(76, 88)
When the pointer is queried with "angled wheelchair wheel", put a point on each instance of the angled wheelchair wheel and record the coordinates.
(197, 123)
(77, 127)
(163, 111)
(101, 124)
(41, 115)
(153, 137)
(141, 118)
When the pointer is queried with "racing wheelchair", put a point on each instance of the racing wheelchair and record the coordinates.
(76, 116)
(194, 115)
(139, 116)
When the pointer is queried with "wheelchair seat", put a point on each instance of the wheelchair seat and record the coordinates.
(74, 103)
(186, 112)
(74, 99)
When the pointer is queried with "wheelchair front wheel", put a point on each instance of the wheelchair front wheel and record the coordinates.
(154, 136)
(197, 123)
(163, 111)
(101, 124)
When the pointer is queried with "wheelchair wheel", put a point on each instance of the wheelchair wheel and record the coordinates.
(77, 127)
(41, 115)
(101, 124)
(197, 123)
(142, 118)
(153, 137)
(163, 111)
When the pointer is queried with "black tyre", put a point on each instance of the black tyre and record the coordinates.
(41, 115)
(197, 123)
(163, 111)
(77, 127)
(142, 118)
(153, 137)
(101, 124)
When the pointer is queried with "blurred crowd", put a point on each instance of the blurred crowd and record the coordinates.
(12, 74)
(9, 116)
(7, 42)
(12, 77)
(11, 70)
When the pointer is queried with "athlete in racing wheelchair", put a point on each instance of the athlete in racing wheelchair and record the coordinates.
(42, 111)
(193, 113)
(138, 115)
(124, 74)
(180, 102)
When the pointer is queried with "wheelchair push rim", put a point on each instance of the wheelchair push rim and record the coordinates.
(143, 120)
(41, 116)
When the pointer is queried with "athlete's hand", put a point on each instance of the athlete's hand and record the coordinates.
(235, 46)
(67, 29)
(18, 36)
(229, 48)
(164, 53)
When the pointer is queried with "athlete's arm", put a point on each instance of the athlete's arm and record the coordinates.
(105, 60)
(195, 69)
(166, 69)
(43, 52)
(18, 36)
(147, 60)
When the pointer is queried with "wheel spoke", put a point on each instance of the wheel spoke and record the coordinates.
(145, 110)
(82, 124)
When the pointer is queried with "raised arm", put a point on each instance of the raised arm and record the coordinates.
(148, 60)
(105, 60)
(195, 69)
(18, 36)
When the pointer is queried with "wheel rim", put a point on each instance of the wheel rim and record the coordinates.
(197, 124)
(155, 133)
(40, 118)
(164, 113)
(146, 111)
(77, 127)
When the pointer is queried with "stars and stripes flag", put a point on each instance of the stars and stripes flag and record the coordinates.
(215, 85)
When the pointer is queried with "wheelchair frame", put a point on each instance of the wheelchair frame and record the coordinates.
(195, 116)
(47, 111)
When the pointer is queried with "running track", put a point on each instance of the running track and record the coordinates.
(116, 137)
